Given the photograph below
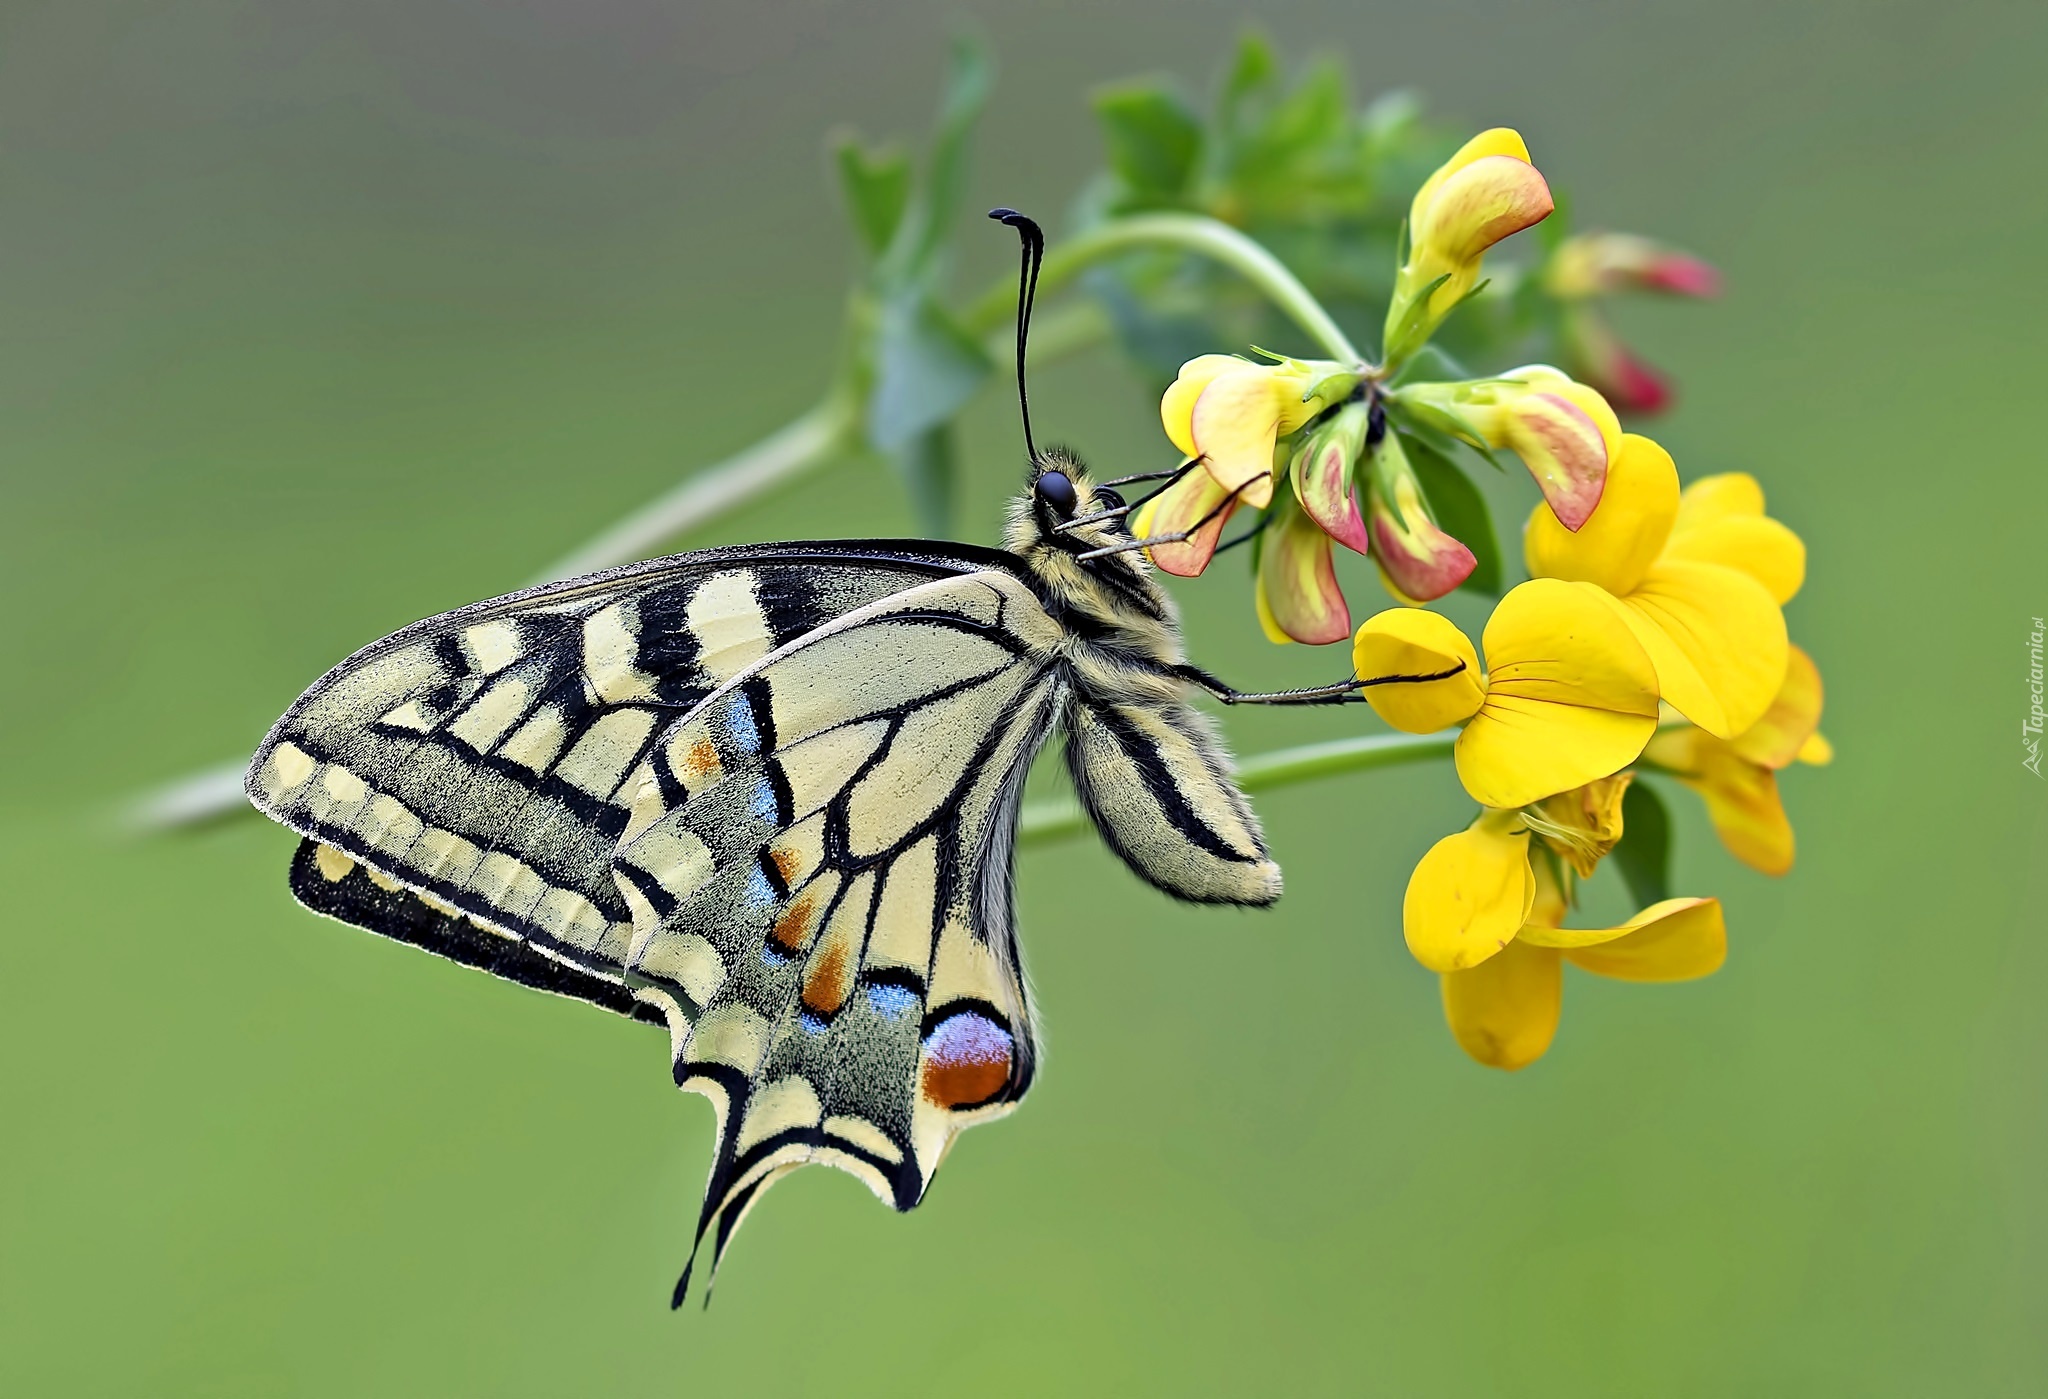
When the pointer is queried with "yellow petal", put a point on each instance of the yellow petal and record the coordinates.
(1817, 751)
(1676, 940)
(1755, 544)
(1570, 697)
(1177, 406)
(1504, 1011)
(1717, 639)
(1476, 205)
(1741, 797)
(1469, 894)
(1499, 140)
(1406, 642)
(1730, 493)
(1297, 581)
(1235, 422)
(1721, 520)
(1779, 738)
(1617, 545)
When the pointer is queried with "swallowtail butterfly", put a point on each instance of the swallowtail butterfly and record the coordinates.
(766, 797)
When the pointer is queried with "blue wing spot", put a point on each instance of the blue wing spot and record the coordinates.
(760, 893)
(811, 1022)
(741, 733)
(764, 804)
(892, 1000)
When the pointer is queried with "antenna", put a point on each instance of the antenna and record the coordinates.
(1033, 239)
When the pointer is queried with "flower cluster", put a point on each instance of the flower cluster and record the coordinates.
(1653, 639)
(1650, 635)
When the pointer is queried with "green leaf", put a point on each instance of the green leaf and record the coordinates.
(924, 233)
(926, 368)
(1315, 113)
(876, 184)
(1644, 855)
(928, 465)
(1460, 512)
(1252, 71)
(1154, 137)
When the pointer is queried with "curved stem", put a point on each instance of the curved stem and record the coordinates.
(1059, 817)
(1196, 233)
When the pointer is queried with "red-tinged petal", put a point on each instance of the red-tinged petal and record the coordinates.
(1600, 359)
(1420, 563)
(1479, 205)
(1681, 274)
(1298, 581)
(1564, 450)
(1175, 511)
(1328, 488)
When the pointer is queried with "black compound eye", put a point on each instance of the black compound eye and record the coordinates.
(1056, 490)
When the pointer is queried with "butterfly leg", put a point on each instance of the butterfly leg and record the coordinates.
(1339, 692)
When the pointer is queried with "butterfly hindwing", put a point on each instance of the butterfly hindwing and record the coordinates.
(818, 863)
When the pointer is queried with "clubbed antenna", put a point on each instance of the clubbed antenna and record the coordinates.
(1033, 239)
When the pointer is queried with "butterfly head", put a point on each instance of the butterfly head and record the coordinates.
(1073, 534)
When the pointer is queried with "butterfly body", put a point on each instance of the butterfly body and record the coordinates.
(767, 797)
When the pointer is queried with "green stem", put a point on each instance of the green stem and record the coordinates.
(1196, 233)
(1059, 817)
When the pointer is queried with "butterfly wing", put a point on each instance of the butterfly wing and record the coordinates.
(717, 787)
(819, 866)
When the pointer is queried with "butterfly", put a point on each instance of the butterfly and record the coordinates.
(766, 797)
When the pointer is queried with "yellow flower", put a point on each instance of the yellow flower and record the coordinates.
(1571, 695)
(1698, 585)
(1504, 1011)
(1482, 194)
(1230, 413)
(1738, 777)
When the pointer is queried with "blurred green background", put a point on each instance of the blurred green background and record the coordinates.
(323, 316)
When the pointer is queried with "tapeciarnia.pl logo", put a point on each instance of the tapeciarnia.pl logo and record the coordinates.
(2030, 728)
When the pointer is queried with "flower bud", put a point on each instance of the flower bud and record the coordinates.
(1482, 194)
(1600, 264)
(1418, 561)
(1598, 356)
(1326, 480)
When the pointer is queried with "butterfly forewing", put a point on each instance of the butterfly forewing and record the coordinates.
(771, 794)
